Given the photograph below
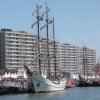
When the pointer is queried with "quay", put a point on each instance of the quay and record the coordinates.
(8, 86)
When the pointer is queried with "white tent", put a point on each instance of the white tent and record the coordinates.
(7, 75)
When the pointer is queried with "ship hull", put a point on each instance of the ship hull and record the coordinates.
(70, 84)
(38, 84)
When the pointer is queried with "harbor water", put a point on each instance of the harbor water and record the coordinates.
(76, 93)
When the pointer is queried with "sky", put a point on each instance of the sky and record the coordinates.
(77, 22)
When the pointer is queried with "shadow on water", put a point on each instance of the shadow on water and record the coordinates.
(46, 96)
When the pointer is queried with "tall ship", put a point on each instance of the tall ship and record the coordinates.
(84, 81)
(45, 81)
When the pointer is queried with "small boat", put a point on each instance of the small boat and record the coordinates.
(96, 83)
(84, 83)
(42, 82)
(70, 84)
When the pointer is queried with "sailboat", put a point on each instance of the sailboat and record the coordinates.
(84, 81)
(42, 83)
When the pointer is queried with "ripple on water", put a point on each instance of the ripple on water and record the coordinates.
(76, 93)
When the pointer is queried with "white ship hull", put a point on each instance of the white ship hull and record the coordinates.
(40, 84)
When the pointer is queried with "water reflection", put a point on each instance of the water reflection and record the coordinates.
(46, 96)
(85, 93)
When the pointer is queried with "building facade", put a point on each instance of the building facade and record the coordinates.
(19, 47)
(90, 56)
(71, 58)
(53, 60)
(16, 48)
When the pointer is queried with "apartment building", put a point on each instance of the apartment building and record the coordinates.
(71, 58)
(19, 47)
(16, 48)
(54, 60)
(90, 56)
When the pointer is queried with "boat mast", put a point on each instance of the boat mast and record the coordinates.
(49, 76)
(38, 39)
(85, 62)
(38, 22)
(55, 64)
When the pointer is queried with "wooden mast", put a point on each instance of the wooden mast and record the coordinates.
(85, 62)
(38, 22)
(47, 38)
(38, 39)
(49, 75)
(55, 64)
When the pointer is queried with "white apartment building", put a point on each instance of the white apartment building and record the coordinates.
(16, 48)
(91, 59)
(19, 47)
(44, 61)
(71, 58)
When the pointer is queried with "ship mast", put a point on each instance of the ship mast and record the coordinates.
(55, 65)
(47, 38)
(85, 62)
(49, 76)
(38, 25)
